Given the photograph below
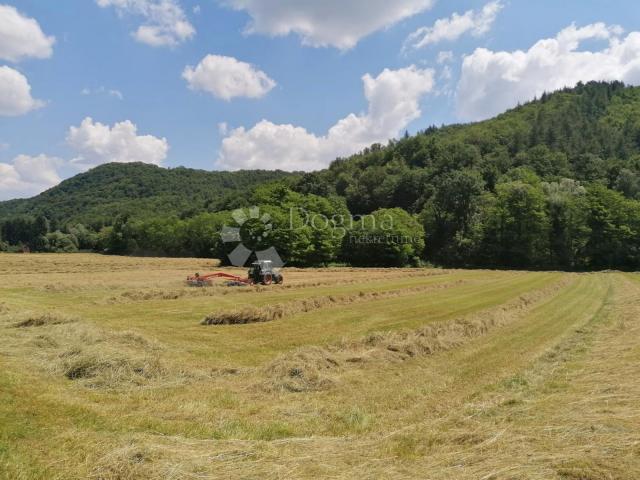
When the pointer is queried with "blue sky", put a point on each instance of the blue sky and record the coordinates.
(290, 83)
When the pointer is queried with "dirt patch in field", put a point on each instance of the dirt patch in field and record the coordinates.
(316, 368)
(280, 310)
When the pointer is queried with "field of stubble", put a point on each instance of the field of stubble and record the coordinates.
(110, 368)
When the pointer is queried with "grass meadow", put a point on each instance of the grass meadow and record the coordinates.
(111, 368)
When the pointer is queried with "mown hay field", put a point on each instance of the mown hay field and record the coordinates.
(110, 368)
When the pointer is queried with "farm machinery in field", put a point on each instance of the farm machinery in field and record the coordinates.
(260, 272)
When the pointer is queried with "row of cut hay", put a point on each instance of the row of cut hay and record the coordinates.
(95, 263)
(109, 359)
(278, 311)
(43, 320)
(109, 368)
(221, 289)
(105, 360)
(316, 368)
(58, 288)
(65, 346)
(125, 462)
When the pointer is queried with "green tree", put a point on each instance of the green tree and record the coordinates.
(628, 182)
(614, 221)
(58, 242)
(306, 229)
(203, 234)
(387, 237)
(87, 239)
(567, 209)
(517, 226)
(119, 239)
(451, 219)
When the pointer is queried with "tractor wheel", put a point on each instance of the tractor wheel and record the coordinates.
(267, 279)
(279, 279)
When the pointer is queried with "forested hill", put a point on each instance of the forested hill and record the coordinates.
(590, 133)
(554, 183)
(138, 190)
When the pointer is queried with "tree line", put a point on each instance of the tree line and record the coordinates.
(554, 183)
(525, 223)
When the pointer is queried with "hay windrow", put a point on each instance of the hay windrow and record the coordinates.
(81, 352)
(65, 288)
(101, 359)
(316, 368)
(221, 289)
(128, 462)
(43, 320)
(281, 310)
(108, 368)
(304, 370)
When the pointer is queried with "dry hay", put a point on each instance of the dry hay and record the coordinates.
(153, 294)
(66, 346)
(455, 442)
(67, 287)
(304, 370)
(45, 319)
(281, 310)
(129, 462)
(175, 294)
(94, 263)
(101, 359)
(315, 368)
(102, 367)
(221, 289)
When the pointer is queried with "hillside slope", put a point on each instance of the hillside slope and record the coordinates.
(590, 133)
(139, 190)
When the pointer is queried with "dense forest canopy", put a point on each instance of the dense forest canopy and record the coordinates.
(554, 183)
(138, 190)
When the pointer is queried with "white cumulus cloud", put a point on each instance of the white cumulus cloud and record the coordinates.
(96, 144)
(27, 176)
(394, 101)
(227, 77)
(491, 82)
(166, 24)
(320, 23)
(21, 36)
(15, 93)
(452, 28)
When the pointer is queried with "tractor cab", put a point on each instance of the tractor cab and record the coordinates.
(263, 272)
